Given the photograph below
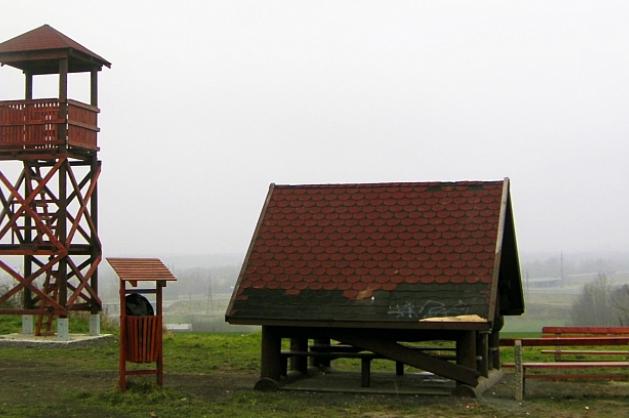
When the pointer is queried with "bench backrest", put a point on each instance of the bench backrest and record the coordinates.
(566, 341)
(584, 331)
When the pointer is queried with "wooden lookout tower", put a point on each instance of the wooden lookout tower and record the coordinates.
(387, 270)
(49, 168)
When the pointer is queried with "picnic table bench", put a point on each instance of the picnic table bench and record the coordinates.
(597, 338)
(322, 354)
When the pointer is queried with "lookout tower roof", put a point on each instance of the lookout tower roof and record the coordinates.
(39, 50)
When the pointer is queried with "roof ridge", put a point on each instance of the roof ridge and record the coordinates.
(388, 184)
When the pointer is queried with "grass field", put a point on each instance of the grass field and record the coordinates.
(212, 375)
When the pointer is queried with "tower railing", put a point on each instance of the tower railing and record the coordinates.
(47, 125)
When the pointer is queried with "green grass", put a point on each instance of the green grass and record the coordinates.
(10, 324)
(212, 375)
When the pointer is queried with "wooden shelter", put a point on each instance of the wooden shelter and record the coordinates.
(49, 206)
(141, 335)
(378, 266)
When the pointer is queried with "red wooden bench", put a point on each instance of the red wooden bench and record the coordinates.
(563, 332)
(596, 338)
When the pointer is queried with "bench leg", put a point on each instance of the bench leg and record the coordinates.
(284, 365)
(519, 371)
(399, 368)
(321, 362)
(365, 372)
(299, 363)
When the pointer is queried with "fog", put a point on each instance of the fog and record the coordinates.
(207, 102)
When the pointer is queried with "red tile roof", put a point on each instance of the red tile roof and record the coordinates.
(46, 38)
(360, 238)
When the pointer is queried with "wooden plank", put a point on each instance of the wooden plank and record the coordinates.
(579, 376)
(579, 341)
(397, 352)
(589, 352)
(586, 330)
(571, 364)
(140, 372)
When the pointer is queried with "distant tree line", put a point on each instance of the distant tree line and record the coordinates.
(601, 303)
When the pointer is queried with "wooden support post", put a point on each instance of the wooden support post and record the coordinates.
(95, 243)
(27, 296)
(28, 85)
(94, 88)
(299, 363)
(519, 371)
(122, 359)
(482, 353)
(494, 350)
(62, 222)
(63, 101)
(466, 357)
(160, 334)
(270, 366)
(494, 343)
(466, 349)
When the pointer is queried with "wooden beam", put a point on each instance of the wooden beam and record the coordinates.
(394, 351)
(94, 88)
(28, 85)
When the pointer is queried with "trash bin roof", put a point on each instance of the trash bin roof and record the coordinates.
(141, 269)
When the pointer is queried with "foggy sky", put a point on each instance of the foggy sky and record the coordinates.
(207, 102)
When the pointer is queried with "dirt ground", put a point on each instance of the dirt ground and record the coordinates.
(42, 390)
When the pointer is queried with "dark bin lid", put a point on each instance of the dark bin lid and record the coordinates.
(138, 305)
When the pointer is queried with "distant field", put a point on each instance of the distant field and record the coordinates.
(542, 308)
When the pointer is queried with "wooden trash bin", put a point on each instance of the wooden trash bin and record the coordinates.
(141, 335)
